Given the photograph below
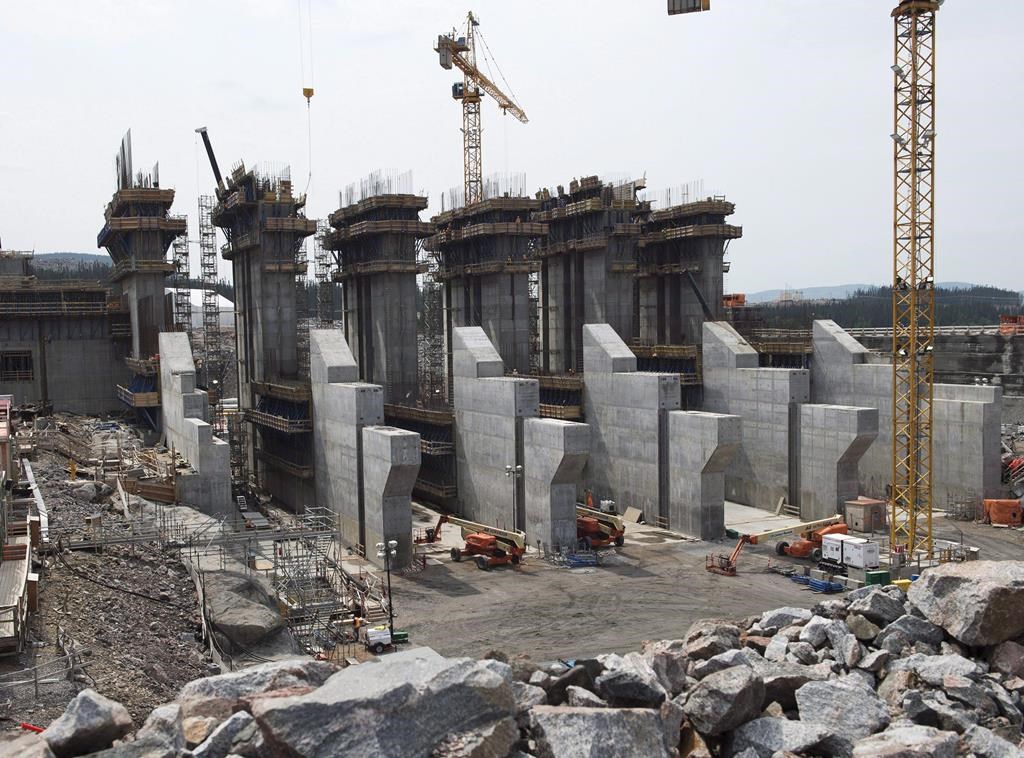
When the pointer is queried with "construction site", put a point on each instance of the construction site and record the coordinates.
(526, 419)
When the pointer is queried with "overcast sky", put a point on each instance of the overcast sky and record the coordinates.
(784, 106)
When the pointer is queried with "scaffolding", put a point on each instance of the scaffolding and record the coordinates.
(322, 272)
(212, 358)
(182, 293)
(302, 308)
(238, 452)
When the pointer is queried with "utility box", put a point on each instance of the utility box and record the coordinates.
(866, 514)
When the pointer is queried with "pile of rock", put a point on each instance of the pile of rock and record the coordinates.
(938, 672)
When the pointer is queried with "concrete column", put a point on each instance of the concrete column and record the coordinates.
(701, 447)
(391, 462)
(833, 439)
(341, 408)
(555, 453)
(628, 412)
(489, 410)
(185, 410)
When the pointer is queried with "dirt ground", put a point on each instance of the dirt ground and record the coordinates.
(646, 591)
(141, 647)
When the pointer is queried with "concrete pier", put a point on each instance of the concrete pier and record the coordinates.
(390, 462)
(555, 453)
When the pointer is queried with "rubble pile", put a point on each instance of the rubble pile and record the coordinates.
(938, 671)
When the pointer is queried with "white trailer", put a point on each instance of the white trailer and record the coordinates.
(845, 550)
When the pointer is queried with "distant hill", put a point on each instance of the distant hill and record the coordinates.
(73, 260)
(836, 292)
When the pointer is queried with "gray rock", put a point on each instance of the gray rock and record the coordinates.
(577, 676)
(766, 736)
(418, 699)
(860, 626)
(629, 681)
(878, 607)
(709, 637)
(833, 608)
(972, 695)
(776, 650)
(563, 732)
(526, 696)
(985, 743)
(861, 592)
(934, 668)
(577, 697)
(148, 747)
(217, 696)
(935, 709)
(724, 700)
(221, 739)
(874, 661)
(782, 680)
(164, 724)
(672, 715)
(849, 708)
(667, 658)
(802, 652)
(91, 722)
(1008, 706)
(845, 647)
(540, 679)
(1008, 658)
(816, 631)
(719, 662)
(865, 676)
(23, 745)
(241, 610)
(977, 602)
(905, 631)
(781, 617)
(908, 742)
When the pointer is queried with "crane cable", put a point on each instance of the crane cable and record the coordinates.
(307, 92)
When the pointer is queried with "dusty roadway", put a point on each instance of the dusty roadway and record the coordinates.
(652, 591)
(646, 591)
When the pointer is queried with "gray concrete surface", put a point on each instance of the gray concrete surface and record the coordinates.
(489, 413)
(628, 411)
(342, 407)
(833, 439)
(965, 426)
(390, 461)
(185, 413)
(555, 452)
(700, 449)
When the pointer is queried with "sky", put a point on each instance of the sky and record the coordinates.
(784, 107)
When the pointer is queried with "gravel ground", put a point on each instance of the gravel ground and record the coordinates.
(142, 647)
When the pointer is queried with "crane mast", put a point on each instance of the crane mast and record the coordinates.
(461, 52)
(913, 291)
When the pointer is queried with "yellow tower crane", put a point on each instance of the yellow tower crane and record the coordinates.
(913, 286)
(461, 52)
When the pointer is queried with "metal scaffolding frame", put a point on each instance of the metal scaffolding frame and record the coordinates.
(182, 293)
(213, 361)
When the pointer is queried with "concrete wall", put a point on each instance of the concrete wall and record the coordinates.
(75, 363)
(489, 413)
(965, 425)
(767, 399)
(185, 410)
(833, 439)
(391, 461)
(555, 452)
(628, 412)
(701, 448)
(342, 407)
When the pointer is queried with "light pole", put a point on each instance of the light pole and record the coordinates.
(387, 553)
(514, 473)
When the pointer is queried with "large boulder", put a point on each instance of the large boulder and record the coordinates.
(223, 740)
(577, 697)
(90, 723)
(710, 637)
(784, 678)
(766, 736)
(629, 682)
(410, 704)
(977, 602)
(240, 609)
(729, 658)
(563, 732)
(219, 696)
(1008, 658)
(908, 742)
(24, 745)
(984, 743)
(781, 617)
(907, 630)
(848, 707)
(165, 725)
(878, 607)
(668, 660)
(933, 669)
(724, 700)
